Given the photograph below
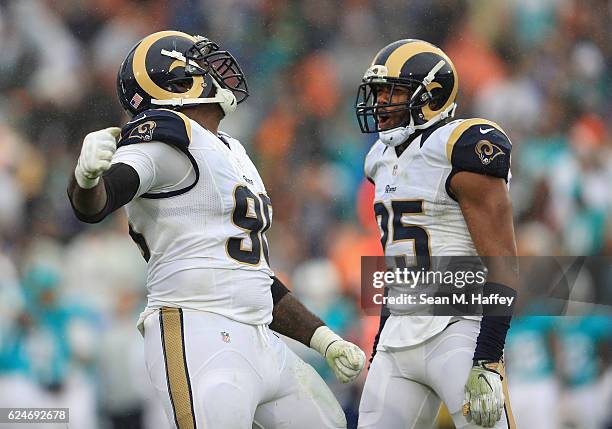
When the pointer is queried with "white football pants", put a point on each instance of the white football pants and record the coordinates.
(215, 373)
(405, 387)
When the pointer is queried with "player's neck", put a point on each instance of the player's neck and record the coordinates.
(208, 116)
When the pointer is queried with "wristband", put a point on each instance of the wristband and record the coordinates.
(494, 324)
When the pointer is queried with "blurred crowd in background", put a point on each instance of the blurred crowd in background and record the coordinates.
(70, 293)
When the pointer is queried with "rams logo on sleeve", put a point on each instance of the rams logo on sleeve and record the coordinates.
(144, 131)
(487, 151)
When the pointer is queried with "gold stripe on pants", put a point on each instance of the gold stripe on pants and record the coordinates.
(507, 409)
(177, 375)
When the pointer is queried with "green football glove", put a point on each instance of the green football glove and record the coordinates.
(484, 394)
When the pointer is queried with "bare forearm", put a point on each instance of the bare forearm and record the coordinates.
(116, 188)
(87, 201)
(293, 320)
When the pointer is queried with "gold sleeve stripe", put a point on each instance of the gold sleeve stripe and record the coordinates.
(177, 375)
(139, 68)
(187, 123)
(507, 408)
(463, 127)
(398, 58)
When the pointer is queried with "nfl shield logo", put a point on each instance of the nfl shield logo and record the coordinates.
(225, 337)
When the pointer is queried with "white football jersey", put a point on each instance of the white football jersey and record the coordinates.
(204, 240)
(417, 214)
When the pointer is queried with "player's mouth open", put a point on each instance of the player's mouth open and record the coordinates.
(383, 120)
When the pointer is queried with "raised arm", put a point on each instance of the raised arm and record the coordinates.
(93, 199)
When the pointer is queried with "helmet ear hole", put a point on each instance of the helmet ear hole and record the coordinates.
(437, 100)
(179, 85)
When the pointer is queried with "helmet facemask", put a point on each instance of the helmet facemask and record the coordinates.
(204, 57)
(371, 113)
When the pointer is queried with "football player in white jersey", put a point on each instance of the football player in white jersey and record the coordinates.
(441, 189)
(198, 210)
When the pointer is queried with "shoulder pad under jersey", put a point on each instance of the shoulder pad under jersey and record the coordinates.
(371, 160)
(161, 125)
(479, 146)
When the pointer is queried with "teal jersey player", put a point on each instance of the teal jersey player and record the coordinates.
(528, 348)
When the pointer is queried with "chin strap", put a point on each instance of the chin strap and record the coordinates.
(396, 136)
(224, 97)
(399, 135)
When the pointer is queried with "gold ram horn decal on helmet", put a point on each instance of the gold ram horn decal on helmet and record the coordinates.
(139, 67)
(428, 112)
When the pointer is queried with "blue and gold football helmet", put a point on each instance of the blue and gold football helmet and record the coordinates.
(421, 70)
(174, 69)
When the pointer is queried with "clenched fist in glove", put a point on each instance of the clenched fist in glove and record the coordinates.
(96, 153)
(345, 359)
(484, 394)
